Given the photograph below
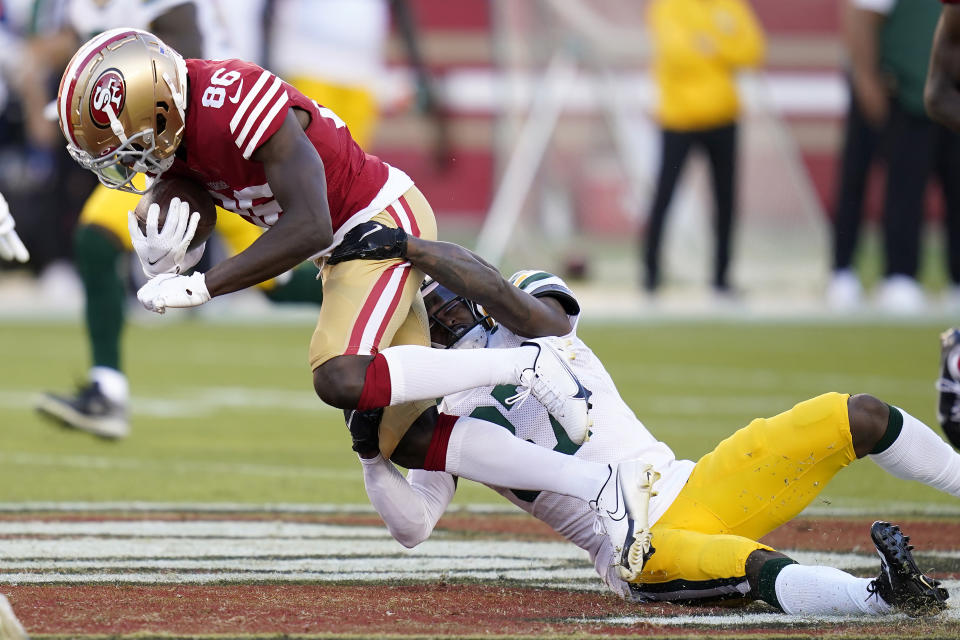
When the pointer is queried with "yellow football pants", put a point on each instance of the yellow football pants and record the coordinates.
(762, 476)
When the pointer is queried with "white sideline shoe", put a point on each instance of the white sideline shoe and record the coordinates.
(844, 293)
(902, 295)
(557, 388)
(10, 627)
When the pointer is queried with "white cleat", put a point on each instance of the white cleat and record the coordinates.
(10, 627)
(622, 514)
(557, 388)
(637, 479)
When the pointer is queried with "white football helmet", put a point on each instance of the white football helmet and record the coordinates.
(122, 106)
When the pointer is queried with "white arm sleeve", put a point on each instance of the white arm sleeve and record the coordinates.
(409, 506)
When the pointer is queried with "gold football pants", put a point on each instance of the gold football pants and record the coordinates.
(369, 305)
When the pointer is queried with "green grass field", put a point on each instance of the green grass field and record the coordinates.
(226, 412)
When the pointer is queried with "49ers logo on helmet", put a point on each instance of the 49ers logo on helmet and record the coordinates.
(108, 91)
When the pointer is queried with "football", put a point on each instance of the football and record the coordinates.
(164, 190)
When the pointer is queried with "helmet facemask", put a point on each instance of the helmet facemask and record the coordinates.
(118, 169)
(442, 304)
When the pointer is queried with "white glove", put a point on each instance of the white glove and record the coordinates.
(168, 290)
(165, 251)
(11, 247)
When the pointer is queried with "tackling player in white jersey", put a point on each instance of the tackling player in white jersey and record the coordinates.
(708, 516)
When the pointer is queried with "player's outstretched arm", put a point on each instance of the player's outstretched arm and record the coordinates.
(295, 174)
(463, 272)
(942, 92)
(467, 274)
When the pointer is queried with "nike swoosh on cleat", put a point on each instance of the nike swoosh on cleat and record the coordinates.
(582, 391)
(153, 262)
(621, 511)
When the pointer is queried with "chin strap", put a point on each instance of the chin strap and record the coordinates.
(115, 125)
(178, 92)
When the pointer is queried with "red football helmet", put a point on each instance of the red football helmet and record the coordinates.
(122, 106)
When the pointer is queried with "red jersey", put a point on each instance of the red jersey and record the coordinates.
(234, 107)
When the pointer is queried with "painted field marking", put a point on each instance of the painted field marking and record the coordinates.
(165, 552)
(170, 552)
(207, 551)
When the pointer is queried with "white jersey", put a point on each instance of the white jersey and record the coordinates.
(229, 31)
(90, 17)
(616, 433)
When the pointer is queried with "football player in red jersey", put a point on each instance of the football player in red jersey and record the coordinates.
(130, 104)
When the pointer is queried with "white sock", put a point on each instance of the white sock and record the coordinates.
(410, 510)
(485, 452)
(920, 454)
(810, 590)
(112, 383)
(424, 373)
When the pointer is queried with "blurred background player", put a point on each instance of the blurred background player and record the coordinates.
(889, 76)
(698, 46)
(102, 242)
(867, 111)
(335, 52)
(942, 100)
(705, 517)
(36, 174)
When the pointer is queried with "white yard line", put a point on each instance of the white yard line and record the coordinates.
(202, 402)
(75, 461)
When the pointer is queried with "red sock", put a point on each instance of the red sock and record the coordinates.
(436, 458)
(376, 385)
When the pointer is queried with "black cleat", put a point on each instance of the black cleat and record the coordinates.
(89, 410)
(901, 583)
(948, 402)
(364, 429)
